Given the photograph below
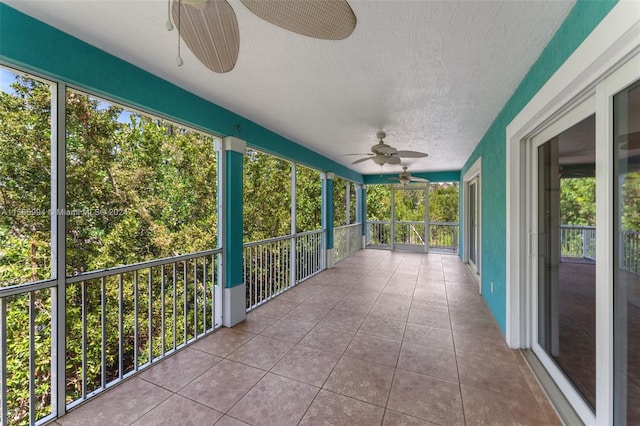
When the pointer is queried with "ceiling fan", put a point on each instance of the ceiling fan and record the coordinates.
(210, 28)
(405, 177)
(382, 154)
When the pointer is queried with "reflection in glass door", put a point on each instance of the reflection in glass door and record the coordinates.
(410, 219)
(566, 261)
(627, 255)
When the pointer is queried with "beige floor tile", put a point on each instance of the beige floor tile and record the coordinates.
(431, 337)
(332, 409)
(427, 398)
(178, 410)
(328, 338)
(230, 421)
(256, 322)
(223, 341)
(178, 370)
(429, 317)
(325, 298)
(390, 312)
(276, 307)
(262, 352)
(289, 329)
(121, 405)
(493, 375)
(430, 303)
(428, 361)
(276, 401)
(393, 418)
(343, 320)
(221, 387)
(306, 364)
(362, 380)
(375, 349)
(482, 345)
(348, 304)
(378, 326)
(308, 313)
(483, 407)
(389, 297)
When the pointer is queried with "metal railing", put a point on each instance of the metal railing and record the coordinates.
(630, 251)
(443, 236)
(118, 321)
(347, 239)
(378, 233)
(578, 241)
(411, 233)
(277, 264)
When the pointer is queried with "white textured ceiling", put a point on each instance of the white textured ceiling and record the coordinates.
(432, 74)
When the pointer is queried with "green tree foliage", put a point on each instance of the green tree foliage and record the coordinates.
(631, 201)
(443, 202)
(138, 188)
(267, 196)
(578, 201)
(339, 201)
(308, 199)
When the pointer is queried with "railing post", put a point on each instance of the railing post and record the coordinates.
(234, 292)
(293, 248)
(361, 213)
(58, 254)
(327, 217)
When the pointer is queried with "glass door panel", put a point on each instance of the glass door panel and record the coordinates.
(626, 140)
(409, 219)
(566, 303)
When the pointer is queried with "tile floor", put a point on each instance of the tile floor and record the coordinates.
(382, 339)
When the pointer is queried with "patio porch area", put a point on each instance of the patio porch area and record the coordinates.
(383, 338)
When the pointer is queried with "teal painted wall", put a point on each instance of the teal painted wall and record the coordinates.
(448, 176)
(582, 19)
(35, 46)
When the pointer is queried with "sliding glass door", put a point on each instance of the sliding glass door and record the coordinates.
(626, 145)
(564, 201)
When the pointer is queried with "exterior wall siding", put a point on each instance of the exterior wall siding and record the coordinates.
(582, 19)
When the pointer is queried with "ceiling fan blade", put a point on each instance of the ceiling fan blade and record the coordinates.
(411, 154)
(418, 179)
(362, 159)
(394, 159)
(344, 155)
(210, 30)
(323, 19)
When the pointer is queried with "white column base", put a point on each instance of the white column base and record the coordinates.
(331, 260)
(364, 242)
(234, 302)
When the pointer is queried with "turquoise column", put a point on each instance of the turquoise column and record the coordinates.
(234, 291)
(327, 216)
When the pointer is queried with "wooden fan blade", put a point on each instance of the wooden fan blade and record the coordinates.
(362, 159)
(210, 30)
(418, 179)
(411, 154)
(394, 159)
(324, 19)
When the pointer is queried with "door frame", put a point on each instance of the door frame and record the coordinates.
(608, 48)
(473, 176)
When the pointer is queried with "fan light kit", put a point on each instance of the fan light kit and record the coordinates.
(210, 27)
(382, 154)
(405, 177)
